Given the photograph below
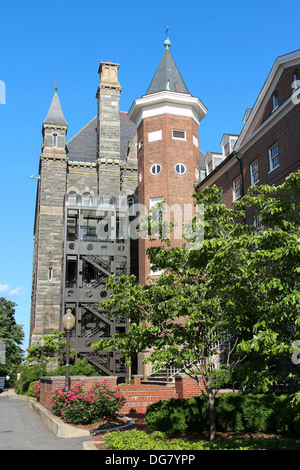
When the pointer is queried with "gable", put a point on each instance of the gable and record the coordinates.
(279, 82)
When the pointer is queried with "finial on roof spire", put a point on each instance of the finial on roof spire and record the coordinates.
(55, 86)
(167, 42)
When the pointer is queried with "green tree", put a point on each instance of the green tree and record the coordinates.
(11, 336)
(54, 349)
(232, 297)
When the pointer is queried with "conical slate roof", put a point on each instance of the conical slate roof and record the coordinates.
(167, 76)
(55, 114)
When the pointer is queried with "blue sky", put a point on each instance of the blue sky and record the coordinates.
(223, 49)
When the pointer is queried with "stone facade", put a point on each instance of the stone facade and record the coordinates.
(82, 176)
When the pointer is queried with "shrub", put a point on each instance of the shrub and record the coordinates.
(140, 440)
(235, 412)
(82, 367)
(34, 390)
(229, 415)
(78, 406)
(178, 414)
(28, 374)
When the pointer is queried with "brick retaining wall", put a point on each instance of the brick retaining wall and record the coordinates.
(49, 384)
(138, 396)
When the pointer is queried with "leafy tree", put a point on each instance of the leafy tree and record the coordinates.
(54, 349)
(233, 297)
(11, 336)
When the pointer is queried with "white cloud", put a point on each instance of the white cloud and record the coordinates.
(5, 290)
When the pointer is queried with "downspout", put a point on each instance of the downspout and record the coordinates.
(241, 172)
(242, 178)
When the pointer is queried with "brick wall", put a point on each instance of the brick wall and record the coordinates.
(138, 396)
(186, 387)
(49, 384)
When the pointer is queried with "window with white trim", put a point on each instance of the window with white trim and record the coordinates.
(257, 223)
(155, 169)
(236, 188)
(273, 157)
(180, 168)
(178, 135)
(254, 173)
(275, 101)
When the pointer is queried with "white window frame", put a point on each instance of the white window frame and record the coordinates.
(176, 137)
(236, 188)
(155, 169)
(273, 157)
(180, 172)
(254, 178)
(257, 223)
(275, 101)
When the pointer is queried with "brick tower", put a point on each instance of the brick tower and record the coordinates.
(167, 119)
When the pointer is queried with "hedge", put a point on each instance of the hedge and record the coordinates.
(234, 412)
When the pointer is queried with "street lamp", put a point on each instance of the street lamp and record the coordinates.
(68, 321)
(42, 343)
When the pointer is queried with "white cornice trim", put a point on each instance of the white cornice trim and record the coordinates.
(167, 102)
(276, 70)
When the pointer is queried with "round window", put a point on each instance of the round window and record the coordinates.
(180, 168)
(155, 169)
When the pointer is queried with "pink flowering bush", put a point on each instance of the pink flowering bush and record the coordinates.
(78, 406)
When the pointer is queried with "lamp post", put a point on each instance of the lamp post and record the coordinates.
(42, 343)
(68, 321)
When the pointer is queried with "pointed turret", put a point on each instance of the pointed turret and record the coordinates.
(55, 129)
(55, 114)
(167, 75)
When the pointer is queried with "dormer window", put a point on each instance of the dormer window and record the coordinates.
(54, 140)
(275, 101)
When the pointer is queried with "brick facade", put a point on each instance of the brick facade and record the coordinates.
(268, 126)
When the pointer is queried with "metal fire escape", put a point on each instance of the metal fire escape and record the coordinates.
(95, 247)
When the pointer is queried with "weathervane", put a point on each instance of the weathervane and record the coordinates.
(167, 42)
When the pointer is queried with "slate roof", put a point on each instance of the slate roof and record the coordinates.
(167, 76)
(55, 114)
(82, 147)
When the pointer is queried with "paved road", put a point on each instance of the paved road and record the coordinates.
(22, 429)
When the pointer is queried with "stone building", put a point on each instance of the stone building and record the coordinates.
(85, 189)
